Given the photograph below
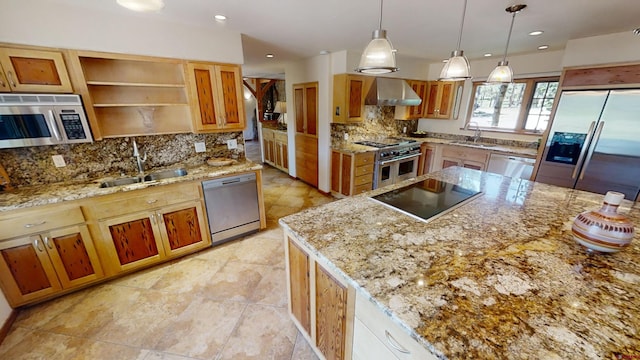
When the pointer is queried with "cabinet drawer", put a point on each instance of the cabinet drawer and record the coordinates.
(36, 220)
(363, 179)
(363, 170)
(365, 158)
(280, 137)
(359, 189)
(141, 200)
(397, 340)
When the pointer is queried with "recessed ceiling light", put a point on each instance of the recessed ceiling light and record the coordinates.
(142, 5)
(543, 47)
(536, 33)
(220, 17)
(488, 54)
(324, 52)
(270, 56)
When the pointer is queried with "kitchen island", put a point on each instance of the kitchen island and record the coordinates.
(499, 277)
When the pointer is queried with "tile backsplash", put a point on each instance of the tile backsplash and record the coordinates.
(379, 123)
(34, 165)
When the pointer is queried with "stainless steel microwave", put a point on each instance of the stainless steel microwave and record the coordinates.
(42, 119)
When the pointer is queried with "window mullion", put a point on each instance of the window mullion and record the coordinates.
(527, 98)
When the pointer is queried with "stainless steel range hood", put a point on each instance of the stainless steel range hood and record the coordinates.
(391, 92)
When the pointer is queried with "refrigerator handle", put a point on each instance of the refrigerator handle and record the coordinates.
(584, 149)
(596, 137)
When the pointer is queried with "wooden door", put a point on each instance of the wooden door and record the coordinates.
(299, 286)
(298, 101)
(204, 107)
(183, 228)
(35, 70)
(73, 256)
(331, 308)
(26, 272)
(134, 240)
(311, 109)
(229, 91)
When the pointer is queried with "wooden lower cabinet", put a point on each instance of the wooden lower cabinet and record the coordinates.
(351, 173)
(426, 158)
(307, 159)
(331, 314)
(320, 303)
(276, 148)
(451, 155)
(144, 238)
(39, 265)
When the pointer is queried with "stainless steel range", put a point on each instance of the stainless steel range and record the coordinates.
(396, 160)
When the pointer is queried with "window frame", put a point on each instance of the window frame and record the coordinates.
(525, 107)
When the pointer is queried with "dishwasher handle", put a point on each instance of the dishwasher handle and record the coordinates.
(228, 181)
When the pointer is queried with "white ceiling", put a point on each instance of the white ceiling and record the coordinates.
(428, 29)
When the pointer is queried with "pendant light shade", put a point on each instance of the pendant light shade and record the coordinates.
(457, 67)
(378, 57)
(503, 73)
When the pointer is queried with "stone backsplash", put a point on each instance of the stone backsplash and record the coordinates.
(34, 165)
(379, 123)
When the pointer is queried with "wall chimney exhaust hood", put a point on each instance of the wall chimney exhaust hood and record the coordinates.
(391, 92)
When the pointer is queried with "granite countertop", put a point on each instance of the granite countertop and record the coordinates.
(29, 196)
(515, 150)
(499, 277)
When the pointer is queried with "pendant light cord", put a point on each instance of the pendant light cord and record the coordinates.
(380, 24)
(504, 58)
(464, 10)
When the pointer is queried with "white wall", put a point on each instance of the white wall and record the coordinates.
(47, 23)
(318, 68)
(602, 49)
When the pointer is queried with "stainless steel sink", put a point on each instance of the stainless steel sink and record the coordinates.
(165, 174)
(158, 175)
(121, 181)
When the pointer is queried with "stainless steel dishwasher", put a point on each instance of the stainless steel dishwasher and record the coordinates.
(232, 206)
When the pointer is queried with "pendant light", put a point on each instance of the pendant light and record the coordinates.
(457, 67)
(503, 73)
(378, 57)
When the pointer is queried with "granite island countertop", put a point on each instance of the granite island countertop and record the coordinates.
(29, 196)
(499, 277)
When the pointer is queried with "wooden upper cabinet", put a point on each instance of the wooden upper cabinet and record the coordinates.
(216, 97)
(349, 92)
(25, 70)
(421, 87)
(305, 99)
(441, 97)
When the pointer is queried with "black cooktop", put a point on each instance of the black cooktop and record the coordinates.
(427, 199)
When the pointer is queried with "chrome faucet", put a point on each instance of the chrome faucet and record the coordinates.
(139, 161)
(477, 133)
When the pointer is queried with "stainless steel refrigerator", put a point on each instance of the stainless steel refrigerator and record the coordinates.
(594, 142)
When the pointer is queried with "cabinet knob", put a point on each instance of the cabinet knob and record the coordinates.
(38, 245)
(152, 201)
(48, 243)
(11, 81)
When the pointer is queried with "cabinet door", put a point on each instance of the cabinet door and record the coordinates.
(420, 87)
(299, 286)
(134, 240)
(229, 91)
(335, 171)
(205, 113)
(331, 308)
(34, 70)
(183, 228)
(285, 156)
(449, 162)
(73, 256)
(431, 109)
(445, 99)
(298, 101)
(345, 187)
(311, 108)
(26, 272)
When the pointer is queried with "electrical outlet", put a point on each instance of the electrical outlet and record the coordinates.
(58, 161)
(232, 144)
(200, 147)
(346, 136)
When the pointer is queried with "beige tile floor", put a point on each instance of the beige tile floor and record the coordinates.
(227, 302)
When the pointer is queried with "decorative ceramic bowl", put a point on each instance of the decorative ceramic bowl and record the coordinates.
(219, 161)
(604, 230)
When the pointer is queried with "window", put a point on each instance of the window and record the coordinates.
(522, 106)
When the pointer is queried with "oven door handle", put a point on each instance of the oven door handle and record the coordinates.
(398, 159)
